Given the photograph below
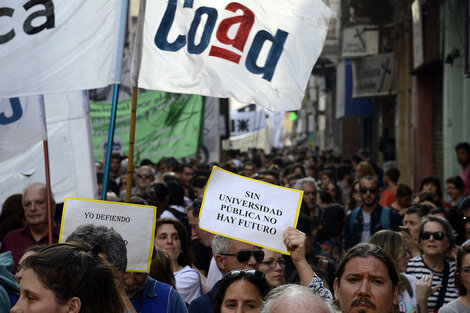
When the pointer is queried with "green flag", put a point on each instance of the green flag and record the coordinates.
(167, 125)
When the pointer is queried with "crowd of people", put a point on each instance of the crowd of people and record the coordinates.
(364, 242)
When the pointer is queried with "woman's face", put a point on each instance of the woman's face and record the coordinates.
(241, 297)
(273, 267)
(325, 180)
(168, 239)
(35, 297)
(19, 270)
(432, 246)
(464, 272)
(356, 194)
(403, 260)
(429, 187)
(453, 192)
(331, 189)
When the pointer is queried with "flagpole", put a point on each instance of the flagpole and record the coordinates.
(130, 159)
(48, 192)
(112, 119)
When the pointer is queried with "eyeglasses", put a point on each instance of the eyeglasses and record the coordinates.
(244, 255)
(439, 236)
(364, 190)
(145, 176)
(272, 264)
(236, 273)
(466, 219)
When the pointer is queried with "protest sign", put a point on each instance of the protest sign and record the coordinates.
(135, 223)
(249, 210)
(166, 125)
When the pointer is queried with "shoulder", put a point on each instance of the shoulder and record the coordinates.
(177, 304)
(11, 238)
(187, 272)
(455, 306)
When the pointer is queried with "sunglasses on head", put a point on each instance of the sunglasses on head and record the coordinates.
(145, 176)
(236, 273)
(439, 236)
(244, 255)
(364, 190)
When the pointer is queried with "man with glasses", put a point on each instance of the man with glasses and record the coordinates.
(229, 255)
(371, 217)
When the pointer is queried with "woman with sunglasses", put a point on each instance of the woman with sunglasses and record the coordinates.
(462, 281)
(68, 277)
(241, 291)
(435, 273)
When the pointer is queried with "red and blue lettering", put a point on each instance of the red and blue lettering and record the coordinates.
(238, 42)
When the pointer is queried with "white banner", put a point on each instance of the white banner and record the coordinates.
(22, 124)
(250, 210)
(258, 52)
(70, 152)
(246, 122)
(135, 223)
(50, 46)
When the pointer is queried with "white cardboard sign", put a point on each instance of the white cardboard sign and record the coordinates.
(249, 210)
(135, 223)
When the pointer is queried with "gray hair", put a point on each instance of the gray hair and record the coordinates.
(106, 239)
(146, 167)
(34, 185)
(305, 181)
(220, 245)
(300, 295)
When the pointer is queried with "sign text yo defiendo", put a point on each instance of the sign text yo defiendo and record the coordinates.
(249, 210)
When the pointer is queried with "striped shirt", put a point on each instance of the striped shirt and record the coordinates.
(417, 268)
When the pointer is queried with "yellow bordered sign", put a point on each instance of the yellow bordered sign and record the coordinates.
(135, 223)
(249, 210)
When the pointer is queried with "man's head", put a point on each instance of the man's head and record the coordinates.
(115, 163)
(366, 281)
(145, 176)
(34, 204)
(193, 219)
(187, 175)
(463, 153)
(392, 175)
(249, 169)
(232, 254)
(369, 189)
(309, 188)
(293, 298)
(108, 241)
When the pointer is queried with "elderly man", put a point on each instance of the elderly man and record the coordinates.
(230, 255)
(308, 186)
(293, 298)
(36, 230)
(145, 175)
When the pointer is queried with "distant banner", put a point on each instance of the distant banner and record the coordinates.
(57, 45)
(247, 122)
(166, 125)
(22, 125)
(250, 210)
(258, 52)
(374, 76)
(360, 40)
(135, 223)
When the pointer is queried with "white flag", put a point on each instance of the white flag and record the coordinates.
(50, 46)
(71, 156)
(22, 125)
(254, 51)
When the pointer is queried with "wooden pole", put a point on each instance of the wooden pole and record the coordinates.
(50, 221)
(130, 160)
